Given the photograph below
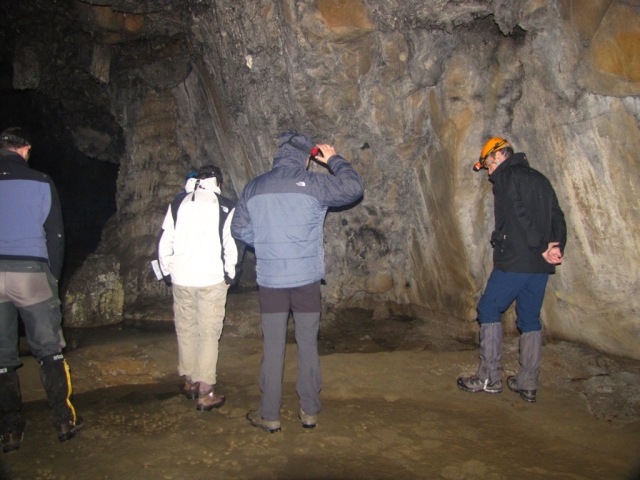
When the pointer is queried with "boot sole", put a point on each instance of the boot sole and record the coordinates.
(306, 424)
(262, 426)
(269, 430)
(462, 386)
(208, 408)
(13, 442)
(63, 436)
(523, 396)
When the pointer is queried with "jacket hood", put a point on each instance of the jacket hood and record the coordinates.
(203, 184)
(295, 149)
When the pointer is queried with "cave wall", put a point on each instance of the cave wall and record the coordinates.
(408, 91)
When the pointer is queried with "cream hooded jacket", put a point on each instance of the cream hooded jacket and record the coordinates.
(190, 247)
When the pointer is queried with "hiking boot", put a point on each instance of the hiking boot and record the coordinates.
(11, 441)
(208, 401)
(255, 419)
(190, 389)
(474, 384)
(67, 430)
(308, 421)
(526, 395)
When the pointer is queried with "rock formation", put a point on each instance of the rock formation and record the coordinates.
(407, 90)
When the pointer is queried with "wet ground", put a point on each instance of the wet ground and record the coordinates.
(391, 410)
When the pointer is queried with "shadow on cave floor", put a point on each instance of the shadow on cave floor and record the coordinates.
(353, 331)
(356, 331)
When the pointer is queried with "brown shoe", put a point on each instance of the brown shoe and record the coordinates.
(190, 389)
(209, 400)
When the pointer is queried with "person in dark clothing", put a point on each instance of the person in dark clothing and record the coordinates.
(31, 255)
(281, 214)
(528, 242)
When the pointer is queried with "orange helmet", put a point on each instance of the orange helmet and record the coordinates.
(492, 145)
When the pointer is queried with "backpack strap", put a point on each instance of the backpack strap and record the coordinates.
(175, 205)
(226, 205)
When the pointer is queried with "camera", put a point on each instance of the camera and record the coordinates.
(314, 153)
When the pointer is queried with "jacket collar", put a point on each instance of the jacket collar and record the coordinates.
(515, 159)
(11, 156)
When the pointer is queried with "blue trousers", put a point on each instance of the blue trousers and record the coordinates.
(527, 289)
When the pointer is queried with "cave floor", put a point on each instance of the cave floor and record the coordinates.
(387, 414)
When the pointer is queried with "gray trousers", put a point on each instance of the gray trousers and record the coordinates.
(530, 359)
(28, 288)
(275, 304)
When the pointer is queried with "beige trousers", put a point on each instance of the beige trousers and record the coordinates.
(199, 314)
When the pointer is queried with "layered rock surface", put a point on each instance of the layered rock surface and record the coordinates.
(406, 90)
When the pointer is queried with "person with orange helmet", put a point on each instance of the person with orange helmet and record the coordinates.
(528, 242)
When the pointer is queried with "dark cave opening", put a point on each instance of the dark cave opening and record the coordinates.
(86, 186)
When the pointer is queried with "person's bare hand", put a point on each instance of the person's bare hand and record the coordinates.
(327, 152)
(553, 254)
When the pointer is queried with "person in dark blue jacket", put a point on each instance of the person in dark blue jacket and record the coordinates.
(31, 255)
(281, 214)
(528, 242)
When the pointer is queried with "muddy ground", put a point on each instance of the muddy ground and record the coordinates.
(391, 410)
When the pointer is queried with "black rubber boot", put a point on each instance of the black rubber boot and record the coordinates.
(54, 374)
(11, 420)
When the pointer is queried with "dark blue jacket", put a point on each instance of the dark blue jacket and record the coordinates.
(281, 214)
(30, 214)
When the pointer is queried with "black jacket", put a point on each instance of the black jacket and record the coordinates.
(527, 217)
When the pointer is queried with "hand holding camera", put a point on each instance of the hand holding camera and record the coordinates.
(322, 153)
